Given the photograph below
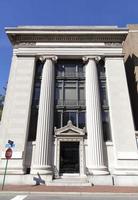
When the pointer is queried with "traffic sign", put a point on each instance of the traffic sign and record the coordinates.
(8, 145)
(8, 153)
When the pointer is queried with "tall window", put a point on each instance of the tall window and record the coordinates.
(104, 102)
(35, 101)
(70, 93)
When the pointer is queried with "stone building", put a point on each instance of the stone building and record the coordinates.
(68, 107)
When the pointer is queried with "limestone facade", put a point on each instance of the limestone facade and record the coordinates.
(84, 127)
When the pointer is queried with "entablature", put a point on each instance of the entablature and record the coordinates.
(67, 34)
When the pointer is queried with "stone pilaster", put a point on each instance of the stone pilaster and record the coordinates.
(94, 122)
(43, 152)
(123, 132)
(17, 112)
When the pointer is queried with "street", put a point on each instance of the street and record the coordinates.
(33, 196)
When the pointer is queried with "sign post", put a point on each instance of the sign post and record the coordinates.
(8, 155)
(5, 174)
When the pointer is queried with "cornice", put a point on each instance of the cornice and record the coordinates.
(20, 35)
(107, 38)
(61, 29)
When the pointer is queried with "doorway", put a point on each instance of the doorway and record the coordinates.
(69, 157)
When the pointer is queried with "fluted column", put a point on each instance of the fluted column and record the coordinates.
(94, 122)
(43, 151)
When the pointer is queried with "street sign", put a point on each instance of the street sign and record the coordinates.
(10, 144)
(8, 153)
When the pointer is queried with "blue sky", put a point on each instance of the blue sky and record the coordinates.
(59, 12)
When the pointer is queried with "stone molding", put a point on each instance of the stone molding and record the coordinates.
(25, 44)
(69, 133)
(45, 57)
(60, 44)
(18, 35)
(113, 44)
(67, 38)
(69, 130)
(95, 58)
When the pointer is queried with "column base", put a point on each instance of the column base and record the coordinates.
(101, 170)
(42, 170)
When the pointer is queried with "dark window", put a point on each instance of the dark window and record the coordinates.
(69, 116)
(106, 125)
(35, 101)
(70, 93)
(103, 94)
(102, 84)
(39, 67)
(81, 119)
(58, 119)
(104, 101)
(62, 117)
(72, 68)
(36, 94)
(33, 125)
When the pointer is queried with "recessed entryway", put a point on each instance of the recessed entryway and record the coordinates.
(69, 157)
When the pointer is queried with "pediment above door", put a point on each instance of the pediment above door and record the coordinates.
(69, 130)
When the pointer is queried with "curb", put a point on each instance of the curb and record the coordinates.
(71, 193)
(55, 193)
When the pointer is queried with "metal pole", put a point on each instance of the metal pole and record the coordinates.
(4, 174)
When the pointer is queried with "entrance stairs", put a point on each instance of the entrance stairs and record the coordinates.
(70, 181)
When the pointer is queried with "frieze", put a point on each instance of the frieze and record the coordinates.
(25, 44)
(32, 39)
(113, 44)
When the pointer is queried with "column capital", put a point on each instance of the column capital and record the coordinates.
(95, 58)
(43, 58)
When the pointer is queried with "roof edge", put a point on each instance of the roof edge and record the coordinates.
(65, 34)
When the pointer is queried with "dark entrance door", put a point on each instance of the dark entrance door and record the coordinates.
(69, 157)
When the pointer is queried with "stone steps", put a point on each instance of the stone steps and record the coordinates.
(71, 181)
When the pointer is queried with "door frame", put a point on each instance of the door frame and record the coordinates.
(69, 133)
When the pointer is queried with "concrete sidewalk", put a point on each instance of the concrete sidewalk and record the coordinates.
(69, 189)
